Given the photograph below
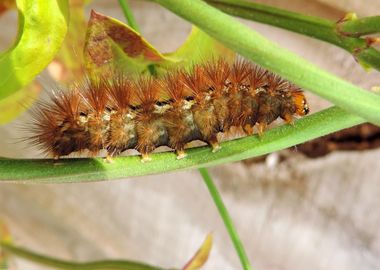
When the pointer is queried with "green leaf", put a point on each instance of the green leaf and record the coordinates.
(69, 58)
(84, 170)
(69, 265)
(42, 28)
(199, 47)
(111, 44)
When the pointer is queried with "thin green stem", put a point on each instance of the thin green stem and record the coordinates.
(63, 264)
(341, 34)
(132, 23)
(257, 48)
(84, 170)
(129, 15)
(361, 26)
(226, 218)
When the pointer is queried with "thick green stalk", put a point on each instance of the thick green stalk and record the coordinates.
(82, 170)
(361, 26)
(226, 219)
(129, 15)
(254, 46)
(312, 26)
(62, 264)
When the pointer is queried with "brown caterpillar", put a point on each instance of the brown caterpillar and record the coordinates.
(117, 113)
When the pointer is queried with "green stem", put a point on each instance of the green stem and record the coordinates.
(129, 15)
(132, 23)
(362, 26)
(257, 48)
(226, 218)
(84, 170)
(312, 26)
(62, 264)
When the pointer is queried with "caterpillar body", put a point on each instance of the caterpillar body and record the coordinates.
(118, 113)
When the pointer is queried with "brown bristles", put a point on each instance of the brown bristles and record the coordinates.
(117, 113)
(147, 92)
(57, 127)
(195, 81)
(119, 91)
(174, 86)
(240, 70)
(217, 74)
(257, 78)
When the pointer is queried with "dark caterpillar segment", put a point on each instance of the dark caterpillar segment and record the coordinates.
(204, 113)
(218, 74)
(122, 133)
(120, 114)
(179, 119)
(150, 128)
(95, 114)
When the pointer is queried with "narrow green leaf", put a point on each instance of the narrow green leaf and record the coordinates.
(42, 28)
(63, 264)
(82, 170)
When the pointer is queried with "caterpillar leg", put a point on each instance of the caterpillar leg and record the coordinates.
(214, 144)
(181, 154)
(145, 157)
(288, 118)
(248, 129)
(109, 158)
(261, 128)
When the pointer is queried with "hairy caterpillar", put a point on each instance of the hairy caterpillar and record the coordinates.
(118, 113)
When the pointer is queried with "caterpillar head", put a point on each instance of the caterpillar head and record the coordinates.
(302, 108)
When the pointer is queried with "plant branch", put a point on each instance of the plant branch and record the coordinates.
(63, 264)
(84, 169)
(344, 34)
(257, 48)
(361, 26)
(226, 218)
(129, 15)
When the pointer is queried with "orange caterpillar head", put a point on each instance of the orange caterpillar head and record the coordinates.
(302, 108)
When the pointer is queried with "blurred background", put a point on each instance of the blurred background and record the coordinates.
(308, 207)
